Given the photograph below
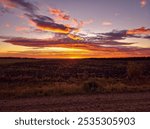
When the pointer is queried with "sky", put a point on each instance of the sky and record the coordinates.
(74, 28)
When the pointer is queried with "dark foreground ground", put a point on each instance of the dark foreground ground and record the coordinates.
(117, 102)
(75, 85)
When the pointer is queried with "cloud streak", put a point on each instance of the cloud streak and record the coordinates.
(107, 23)
(22, 29)
(80, 51)
(67, 40)
(59, 14)
(48, 24)
(23, 4)
(139, 31)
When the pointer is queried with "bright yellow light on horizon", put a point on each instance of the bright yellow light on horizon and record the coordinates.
(7, 47)
(75, 57)
(62, 49)
(65, 51)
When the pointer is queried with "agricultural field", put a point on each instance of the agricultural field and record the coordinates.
(49, 80)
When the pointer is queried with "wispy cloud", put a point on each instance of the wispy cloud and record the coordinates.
(48, 24)
(108, 39)
(143, 3)
(107, 23)
(139, 31)
(80, 23)
(59, 14)
(76, 24)
(75, 37)
(22, 28)
(23, 4)
(115, 35)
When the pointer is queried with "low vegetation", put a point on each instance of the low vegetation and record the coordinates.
(33, 78)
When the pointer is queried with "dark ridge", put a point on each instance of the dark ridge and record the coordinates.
(16, 58)
(126, 58)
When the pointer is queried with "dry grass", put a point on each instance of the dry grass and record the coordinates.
(63, 88)
(29, 78)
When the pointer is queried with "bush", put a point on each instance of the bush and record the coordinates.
(92, 86)
(135, 71)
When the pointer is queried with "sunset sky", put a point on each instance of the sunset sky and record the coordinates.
(74, 28)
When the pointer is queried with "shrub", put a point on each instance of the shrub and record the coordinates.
(92, 86)
(135, 71)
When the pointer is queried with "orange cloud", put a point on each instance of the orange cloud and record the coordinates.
(143, 3)
(32, 23)
(141, 30)
(51, 26)
(107, 23)
(74, 37)
(87, 22)
(46, 23)
(21, 28)
(79, 23)
(8, 4)
(54, 29)
(59, 14)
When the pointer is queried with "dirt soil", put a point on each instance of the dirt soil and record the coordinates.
(118, 102)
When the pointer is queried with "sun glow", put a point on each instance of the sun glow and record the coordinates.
(62, 49)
